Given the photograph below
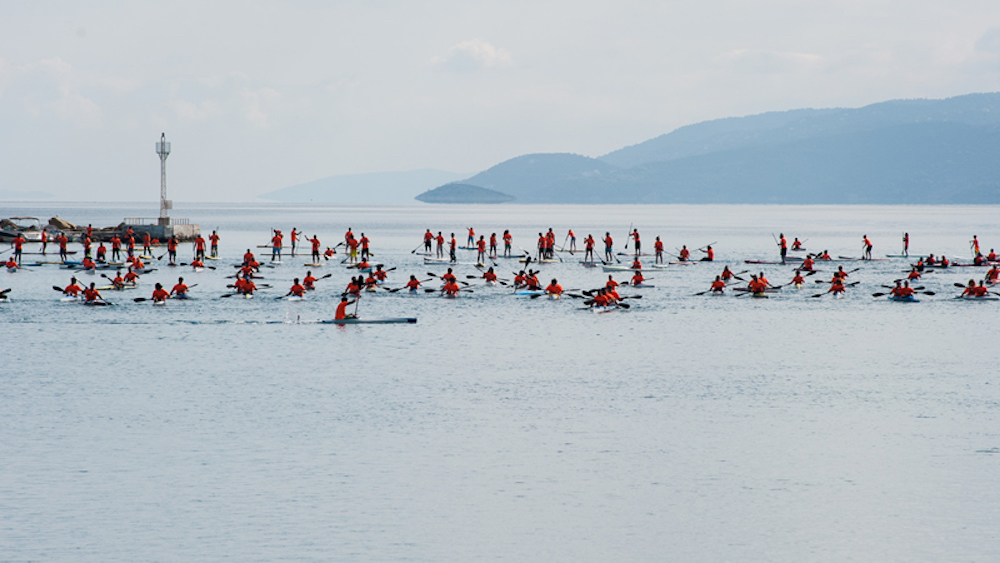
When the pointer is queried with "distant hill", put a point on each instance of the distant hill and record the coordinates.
(463, 193)
(362, 189)
(904, 151)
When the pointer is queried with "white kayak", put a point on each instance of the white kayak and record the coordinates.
(620, 269)
(356, 321)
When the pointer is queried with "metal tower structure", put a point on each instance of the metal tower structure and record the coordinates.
(163, 149)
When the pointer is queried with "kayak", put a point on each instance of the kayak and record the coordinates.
(97, 303)
(606, 309)
(904, 299)
(642, 285)
(985, 298)
(355, 321)
(160, 303)
(683, 262)
(113, 288)
(314, 264)
(70, 299)
(588, 264)
(619, 269)
(529, 292)
(295, 298)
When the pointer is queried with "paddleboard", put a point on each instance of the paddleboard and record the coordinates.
(410, 320)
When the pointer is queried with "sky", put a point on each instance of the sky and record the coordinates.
(258, 96)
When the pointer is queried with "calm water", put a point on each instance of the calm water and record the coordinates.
(499, 427)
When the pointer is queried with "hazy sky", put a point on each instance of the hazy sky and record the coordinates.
(257, 96)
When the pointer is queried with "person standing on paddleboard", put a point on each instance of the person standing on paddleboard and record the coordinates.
(658, 249)
(608, 246)
(428, 240)
(172, 250)
(867, 247)
(507, 241)
(440, 245)
(782, 246)
(906, 245)
(453, 246)
(638, 243)
(214, 239)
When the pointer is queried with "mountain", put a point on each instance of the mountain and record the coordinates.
(363, 189)
(902, 151)
(463, 193)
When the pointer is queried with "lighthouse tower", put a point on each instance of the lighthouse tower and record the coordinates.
(163, 149)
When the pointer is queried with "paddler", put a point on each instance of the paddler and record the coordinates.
(315, 248)
(611, 283)
(709, 254)
(90, 295)
(214, 240)
(974, 244)
(293, 237)
(472, 238)
(379, 274)
(159, 294)
(11, 264)
(180, 289)
(906, 244)
(798, 280)
(88, 264)
(637, 278)
(448, 276)
(979, 260)
(147, 241)
(440, 245)
(763, 280)
(589, 245)
(554, 288)
(971, 290)
(328, 253)
(413, 285)
(601, 299)
(118, 281)
(341, 313)
(371, 284)
(130, 245)
(493, 245)
(354, 287)
(837, 287)
(796, 244)
(365, 250)
(541, 246)
(197, 264)
(363, 265)
(718, 286)
(62, 240)
(297, 289)
(481, 247)
(757, 286)
(428, 241)
(102, 253)
(608, 246)
(453, 248)
(637, 264)
(944, 262)
(840, 273)
(572, 241)
(508, 239)
(638, 243)
(992, 256)
(18, 243)
(550, 244)
(172, 250)
(450, 289)
(902, 290)
(490, 276)
(726, 273)
(684, 254)
(199, 247)
(782, 246)
(807, 264)
(352, 249)
(867, 244)
(72, 289)
(131, 277)
(519, 279)
(993, 275)
(658, 248)
(532, 281)
(309, 282)
(116, 248)
(824, 256)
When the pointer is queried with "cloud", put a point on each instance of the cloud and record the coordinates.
(254, 102)
(473, 55)
(768, 62)
(989, 42)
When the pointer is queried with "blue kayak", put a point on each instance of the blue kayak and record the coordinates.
(907, 299)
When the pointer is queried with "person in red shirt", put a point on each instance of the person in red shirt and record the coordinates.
(637, 264)
(276, 246)
(440, 245)
(91, 295)
(554, 288)
(453, 246)
(329, 253)
(352, 250)
(86, 245)
(130, 247)
(413, 285)
(214, 240)
(601, 299)
(72, 289)
(867, 247)
(102, 253)
(807, 264)
(637, 278)
(782, 246)
(87, 263)
(572, 241)
(354, 287)
(709, 254)
(992, 256)
(684, 254)
(379, 274)
(298, 290)
(315, 248)
(658, 248)
(520, 279)
(62, 240)
(448, 276)
(840, 273)
(349, 234)
(541, 246)
(718, 286)
(118, 281)
(532, 281)
(11, 264)
(798, 280)
(508, 240)
(756, 285)
(993, 275)
(837, 287)
(18, 247)
(172, 250)
(294, 238)
(796, 244)
(472, 238)
(116, 248)
(179, 289)
(199, 248)
(550, 244)
(245, 286)
(341, 313)
(493, 245)
(363, 265)
(609, 247)
(309, 282)
(970, 290)
(450, 289)
(159, 294)
(944, 262)
(146, 240)
(481, 246)
(131, 277)
(365, 254)
(726, 273)
(638, 243)
(490, 276)
(197, 264)
(611, 282)
(428, 240)
(914, 274)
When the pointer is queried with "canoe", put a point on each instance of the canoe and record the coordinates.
(410, 320)
(906, 299)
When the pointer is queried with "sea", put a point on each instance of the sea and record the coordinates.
(499, 427)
